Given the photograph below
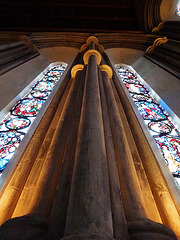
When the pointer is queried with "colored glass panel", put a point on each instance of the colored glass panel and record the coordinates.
(164, 132)
(18, 121)
(178, 8)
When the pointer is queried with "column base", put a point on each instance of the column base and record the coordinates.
(149, 230)
(88, 237)
(28, 227)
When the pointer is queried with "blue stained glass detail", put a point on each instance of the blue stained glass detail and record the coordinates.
(165, 134)
(9, 141)
(18, 121)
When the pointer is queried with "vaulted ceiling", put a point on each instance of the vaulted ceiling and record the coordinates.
(68, 15)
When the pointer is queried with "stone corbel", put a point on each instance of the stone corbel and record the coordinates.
(158, 28)
(29, 44)
(156, 43)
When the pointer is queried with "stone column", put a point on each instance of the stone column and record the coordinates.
(14, 188)
(144, 228)
(58, 216)
(89, 212)
(118, 215)
(130, 189)
(35, 203)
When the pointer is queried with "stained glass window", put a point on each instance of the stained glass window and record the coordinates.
(178, 8)
(160, 124)
(18, 121)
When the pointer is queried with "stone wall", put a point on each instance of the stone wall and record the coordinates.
(162, 82)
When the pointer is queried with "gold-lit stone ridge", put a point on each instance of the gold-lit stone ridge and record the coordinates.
(83, 47)
(76, 68)
(89, 53)
(157, 42)
(107, 69)
(92, 38)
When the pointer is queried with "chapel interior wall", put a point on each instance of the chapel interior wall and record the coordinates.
(162, 82)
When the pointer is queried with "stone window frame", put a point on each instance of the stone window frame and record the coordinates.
(171, 183)
(8, 171)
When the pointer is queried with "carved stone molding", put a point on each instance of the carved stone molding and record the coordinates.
(89, 53)
(77, 67)
(152, 14)
(107, 69)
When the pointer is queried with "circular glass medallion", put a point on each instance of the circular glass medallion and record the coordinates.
(18, 123)
(139, 97)
(160, 127)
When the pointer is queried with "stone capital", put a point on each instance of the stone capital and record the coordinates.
(100, 48)
(92, 38)
(83, 47)
(76, 68)
(107, 69)
(89, 53)
(157, 42)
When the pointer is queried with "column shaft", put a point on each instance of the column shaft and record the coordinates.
(14, 188)
(89, 211)
(43, 196)
(57, 222)
(118, 215)
(132, 196)
(152, 210)
(164, 201)
(30, 186)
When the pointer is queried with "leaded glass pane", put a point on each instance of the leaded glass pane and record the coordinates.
(160, 125)
(178, 8)
(18, 121)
